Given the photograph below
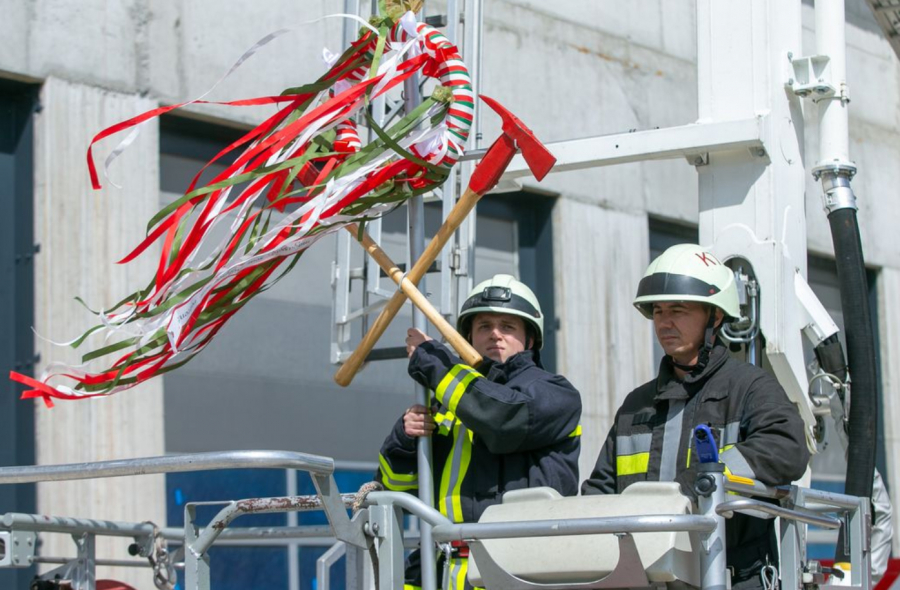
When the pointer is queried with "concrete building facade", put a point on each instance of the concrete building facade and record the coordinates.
(570, 69)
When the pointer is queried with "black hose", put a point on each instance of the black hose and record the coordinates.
(863, 419)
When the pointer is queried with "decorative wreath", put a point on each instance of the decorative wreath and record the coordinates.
(307, 163)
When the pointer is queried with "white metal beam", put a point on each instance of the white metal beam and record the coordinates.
(693, 141)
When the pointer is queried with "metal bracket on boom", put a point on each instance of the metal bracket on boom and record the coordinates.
(812, 77)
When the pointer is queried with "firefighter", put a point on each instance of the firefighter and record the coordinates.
(505, 425)
(688, 294)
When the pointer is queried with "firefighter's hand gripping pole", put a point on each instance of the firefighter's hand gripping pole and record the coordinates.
(515, 137)
(459, 344)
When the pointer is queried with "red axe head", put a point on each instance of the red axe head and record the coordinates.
(538, 157)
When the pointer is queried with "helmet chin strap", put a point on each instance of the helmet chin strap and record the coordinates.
(703, 356)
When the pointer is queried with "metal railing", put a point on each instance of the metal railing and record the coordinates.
(18, 540)
(178, 463)
(378, 524)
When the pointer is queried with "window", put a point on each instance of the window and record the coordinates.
(17, 250)
(515, 231)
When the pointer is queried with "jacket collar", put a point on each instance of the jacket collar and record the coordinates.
(502, 372)
(669, 386)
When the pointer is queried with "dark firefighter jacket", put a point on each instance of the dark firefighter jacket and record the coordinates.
(759, 433)
(502, 427)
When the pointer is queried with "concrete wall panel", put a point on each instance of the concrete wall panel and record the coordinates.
(889, 332)
(209, 47)
(14, 31)
(94, 42)
(81, 233)
(604, 345)
(657, 24)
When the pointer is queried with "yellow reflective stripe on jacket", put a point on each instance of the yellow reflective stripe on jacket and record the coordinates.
(452, 387)
(633, 453)
(736, 463)
(455, 469)
(576, 432)
(632, 464)
(397, 482)
(444, 421)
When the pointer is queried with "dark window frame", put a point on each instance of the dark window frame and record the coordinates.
(18, 103)
(533, 214)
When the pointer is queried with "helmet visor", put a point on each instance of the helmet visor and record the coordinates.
(663, 283)
(499, 298)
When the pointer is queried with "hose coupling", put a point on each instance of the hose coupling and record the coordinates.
(835, 178)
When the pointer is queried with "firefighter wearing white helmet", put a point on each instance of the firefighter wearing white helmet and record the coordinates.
(688, 293)
(503, 294)
(688, 273)
(504, 425)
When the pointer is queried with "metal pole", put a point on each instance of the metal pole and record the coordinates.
(472, 54)
(834, 127)
(450, 193)
(293, 555)
(712, 555)
(416, 208)
(169, 464)
(324, 563)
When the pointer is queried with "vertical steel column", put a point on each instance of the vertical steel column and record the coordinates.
(384, 523)
(292, 547)
(371, 271)
(793, 547)
(324, 563)
(712, 556)
(196, 567)
(86, 572)
(834, 125)
(450, 266)
(356, 568)
(340, 271)
(472, 55)
(860, 554)
(416, 233)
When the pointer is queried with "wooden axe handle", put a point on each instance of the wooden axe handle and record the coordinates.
(459, 344)
(458, 214)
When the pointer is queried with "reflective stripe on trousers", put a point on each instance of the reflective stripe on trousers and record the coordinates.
(458, 569)
(455, 469)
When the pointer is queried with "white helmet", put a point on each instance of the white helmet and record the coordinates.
(687, 272)
(502, 294)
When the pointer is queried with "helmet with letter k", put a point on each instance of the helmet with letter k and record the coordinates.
(690, 273)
